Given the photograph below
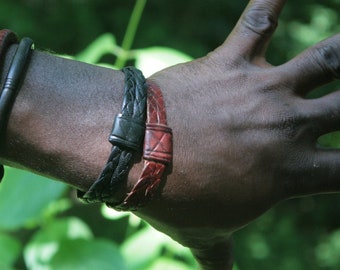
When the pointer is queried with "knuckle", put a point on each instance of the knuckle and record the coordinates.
(300, 126)
(290, 126)
(293, 122)
(328, 58)
(260, 20)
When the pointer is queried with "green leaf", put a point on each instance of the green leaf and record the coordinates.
(142, 247)
(112, 214)
(327, 252)
(153, 59)
(177, 250)
(82, 254)
(105, 44)
(24, 196)
(331, 140)
(9, 251)
(147, 245)
(168, 264)
(235, 267)
(46, 242)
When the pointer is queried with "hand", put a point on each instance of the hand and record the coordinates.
(245, 137)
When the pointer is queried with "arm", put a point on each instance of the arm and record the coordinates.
(54, 120)
(244, 135)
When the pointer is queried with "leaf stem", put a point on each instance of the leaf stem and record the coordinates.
(131, 32)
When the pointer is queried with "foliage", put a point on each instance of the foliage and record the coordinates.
(42, 225)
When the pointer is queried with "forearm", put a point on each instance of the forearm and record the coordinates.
(61, 118)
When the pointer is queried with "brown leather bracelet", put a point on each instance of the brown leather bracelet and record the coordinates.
(157, 152)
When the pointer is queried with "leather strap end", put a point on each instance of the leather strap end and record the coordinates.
(158, 143)
(127, 132)
(2, 172)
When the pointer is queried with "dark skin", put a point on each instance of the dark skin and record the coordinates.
(244, 134)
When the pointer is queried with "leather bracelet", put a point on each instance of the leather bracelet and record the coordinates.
(126, 137)
(7, 38)
(13, 79)
(157, 152)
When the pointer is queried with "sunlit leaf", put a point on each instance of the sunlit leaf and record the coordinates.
(112, 214)
(143, 247)
(168, 264)
(105, 44)
(153, 59)
(46, 242)
(24, 196)
(177, 250)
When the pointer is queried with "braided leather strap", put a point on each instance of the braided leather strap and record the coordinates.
(7, 38)
(126, 137)
(157, 152)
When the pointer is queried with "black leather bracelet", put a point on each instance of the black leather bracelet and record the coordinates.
(126, 137)
(7, 38)
(12, 83)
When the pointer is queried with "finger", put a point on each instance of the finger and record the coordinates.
(316, 66)
(321, 176)
(253, 31)
(323, 114)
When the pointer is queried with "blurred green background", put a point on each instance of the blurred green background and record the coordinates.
(43, 226)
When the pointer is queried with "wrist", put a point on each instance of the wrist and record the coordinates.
(62, 116)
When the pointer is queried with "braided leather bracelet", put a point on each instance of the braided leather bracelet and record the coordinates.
(13, 78)
(126, 137)
(157, 152)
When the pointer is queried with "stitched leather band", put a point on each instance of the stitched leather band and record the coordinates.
(7, 38)
(157, 152)
(126, 137)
